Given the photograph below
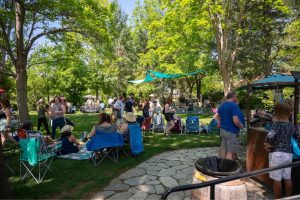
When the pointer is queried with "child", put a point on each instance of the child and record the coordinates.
(278, 144)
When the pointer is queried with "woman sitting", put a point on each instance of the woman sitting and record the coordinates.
(129, 118)
(104, 125)
(5, 121)
(69, 142)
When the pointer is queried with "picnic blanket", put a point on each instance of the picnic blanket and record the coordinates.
(83, 154)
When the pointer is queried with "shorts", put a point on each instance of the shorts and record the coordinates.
(279, 158)
(229, 141)
(169, 117)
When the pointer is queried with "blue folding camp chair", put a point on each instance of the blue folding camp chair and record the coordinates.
(192, 124)
(105, 145)
(135, 138)
(31, 155)
(213, 128)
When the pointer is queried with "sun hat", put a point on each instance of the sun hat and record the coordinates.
(66, 128)
(130, 117)
(151, 95)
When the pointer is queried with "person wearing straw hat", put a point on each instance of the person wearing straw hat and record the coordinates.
(129, 118)
(69, 142)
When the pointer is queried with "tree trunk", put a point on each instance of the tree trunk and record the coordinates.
(226, 76)
(4, 188)
(190, 84)
(227, 37)
(268, 59)
(22, 93)
(198, 85)
(21, 63)
(2, 64)
(97, 93)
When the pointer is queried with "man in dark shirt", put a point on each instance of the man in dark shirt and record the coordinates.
(129, 104)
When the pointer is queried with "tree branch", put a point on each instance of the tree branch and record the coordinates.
(45, 33)
(8, 73)
(7, 46)
(32, 27)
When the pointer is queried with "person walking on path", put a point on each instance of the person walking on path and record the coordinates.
(228, 119)
(41, 110)
(278, 144)
(57, 111)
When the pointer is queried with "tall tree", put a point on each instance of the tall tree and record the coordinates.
(32, 20)
(124, 59)
(226, 17)
(177, 36)
(263, 31)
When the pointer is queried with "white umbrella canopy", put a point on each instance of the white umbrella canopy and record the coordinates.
(89, 96)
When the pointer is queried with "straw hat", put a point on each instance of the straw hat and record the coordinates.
(66, 128)
(130, 117)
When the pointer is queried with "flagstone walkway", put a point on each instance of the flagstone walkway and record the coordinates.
(151, 178)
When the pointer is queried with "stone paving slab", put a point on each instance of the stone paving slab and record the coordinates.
(150, 179)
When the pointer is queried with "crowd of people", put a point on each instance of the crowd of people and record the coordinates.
(230, 121)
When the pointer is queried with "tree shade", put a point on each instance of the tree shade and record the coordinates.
(153, 75)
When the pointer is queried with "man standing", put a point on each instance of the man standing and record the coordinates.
(118, 109)
(57, 111)
(129, 104)
(228, 119)
(41, 110)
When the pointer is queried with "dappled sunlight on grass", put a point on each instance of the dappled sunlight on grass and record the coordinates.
(78, 179)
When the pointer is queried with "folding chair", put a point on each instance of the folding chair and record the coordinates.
(212, 127)
(135, 138)
(158, 121)
(32, 156)
(192, 124)
(106, 145)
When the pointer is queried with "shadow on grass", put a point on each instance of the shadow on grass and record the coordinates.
(80, 179)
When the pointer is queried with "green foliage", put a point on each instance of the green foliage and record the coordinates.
(264, 25)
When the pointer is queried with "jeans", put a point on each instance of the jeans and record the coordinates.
(44, 121)
(57, 122)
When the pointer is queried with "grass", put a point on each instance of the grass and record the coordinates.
(80, 179)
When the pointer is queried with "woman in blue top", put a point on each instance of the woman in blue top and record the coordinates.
(69, 142)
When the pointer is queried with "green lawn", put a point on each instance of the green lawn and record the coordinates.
(80, 179)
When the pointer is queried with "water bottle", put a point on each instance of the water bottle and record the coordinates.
(84, 136)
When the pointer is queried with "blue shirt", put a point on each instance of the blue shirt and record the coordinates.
(226, 112)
